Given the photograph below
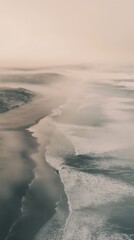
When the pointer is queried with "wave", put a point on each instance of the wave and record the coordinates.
(84, 166)
(88, 194)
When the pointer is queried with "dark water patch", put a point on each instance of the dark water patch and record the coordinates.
(119, 173)
(92, 164)
(122, 217)
(85, 162)
(124, 174)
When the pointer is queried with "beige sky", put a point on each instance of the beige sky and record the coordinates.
(41, 32)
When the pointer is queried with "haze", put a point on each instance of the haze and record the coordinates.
(36, 33)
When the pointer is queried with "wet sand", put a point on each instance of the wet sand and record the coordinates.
(25, 202)
(17, 171)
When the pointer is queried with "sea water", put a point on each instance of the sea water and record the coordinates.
(91, 145)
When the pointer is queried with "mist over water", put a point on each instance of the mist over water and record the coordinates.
(75, 148)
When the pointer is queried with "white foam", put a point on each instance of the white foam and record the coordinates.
(82, 225)
(115, 236)
(86, 190)
(86, 193)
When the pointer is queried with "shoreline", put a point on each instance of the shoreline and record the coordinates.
(36, 216)
(14, 180)
(39, 212)
(57, 189)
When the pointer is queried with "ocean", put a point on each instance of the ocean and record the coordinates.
(82, 186)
